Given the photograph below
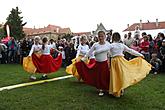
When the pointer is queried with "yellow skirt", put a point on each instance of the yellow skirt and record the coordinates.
(124, 73)
(28, 64)
(71, 69)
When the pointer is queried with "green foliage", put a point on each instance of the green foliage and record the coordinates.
(2, 33)
(15, 22)
(67, 36)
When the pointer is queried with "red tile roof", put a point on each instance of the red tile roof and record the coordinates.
(53, 26)
(81, 33)
(64, 30)
(147, 26)
(49, 28)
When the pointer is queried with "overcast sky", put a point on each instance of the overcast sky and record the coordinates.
(84, 15)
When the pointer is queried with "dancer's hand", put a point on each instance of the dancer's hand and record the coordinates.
(141, 56)
(57, 51)
(84, 59)
(94, 52)
(28, 56)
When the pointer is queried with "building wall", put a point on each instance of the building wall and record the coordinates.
(42, 35)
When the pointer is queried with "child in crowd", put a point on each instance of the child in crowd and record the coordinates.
(135, 46)
(144, 45)
(61, 49)
(155, 62)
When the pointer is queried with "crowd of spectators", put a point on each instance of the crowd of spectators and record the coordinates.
(153, 48)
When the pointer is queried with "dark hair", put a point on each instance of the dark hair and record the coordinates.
(101, 32)
(51, 40)
(136, 42)
(91, 43)
(162, 35)
(116, 37)
(144, 33)
(150, 37)
(44, 40)
(95, 39)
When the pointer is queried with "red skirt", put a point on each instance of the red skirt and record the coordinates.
(94, 73)
(46, 64)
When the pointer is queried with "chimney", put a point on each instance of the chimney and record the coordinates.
(57, 30)
(140, 24)
(97, 25)
(157, 23)
(127, 25)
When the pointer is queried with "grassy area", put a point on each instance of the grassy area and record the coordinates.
(14, 74)
(68, 94)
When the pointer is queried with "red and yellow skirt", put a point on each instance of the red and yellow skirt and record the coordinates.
(71, 69)
(94, 73)
(28, 64)
(44, 64)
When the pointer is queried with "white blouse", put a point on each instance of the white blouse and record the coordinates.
(117, 49)
(53, 45)
(46, 51)
(35, 48)
(63, 54)
(97, 48)
(82, 50)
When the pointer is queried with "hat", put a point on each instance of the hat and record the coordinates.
(60, 47)
(37, 37)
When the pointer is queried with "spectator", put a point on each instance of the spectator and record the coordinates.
(61, 49)
(109, 36)
(135, 46)
(151, 44)
(137, 32)
(162, 53)
(95, 39)
(128, 42)
(156, 63)
(24, 49)
(144, 45)
(12, 47)
(3, 53)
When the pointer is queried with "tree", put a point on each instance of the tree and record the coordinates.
(67, 36)
(15, 22)
(2, 35)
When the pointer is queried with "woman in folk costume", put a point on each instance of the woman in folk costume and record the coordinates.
(83, 48)
(46, 64)
(96, 72)
(125, 73)
(27, 61)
